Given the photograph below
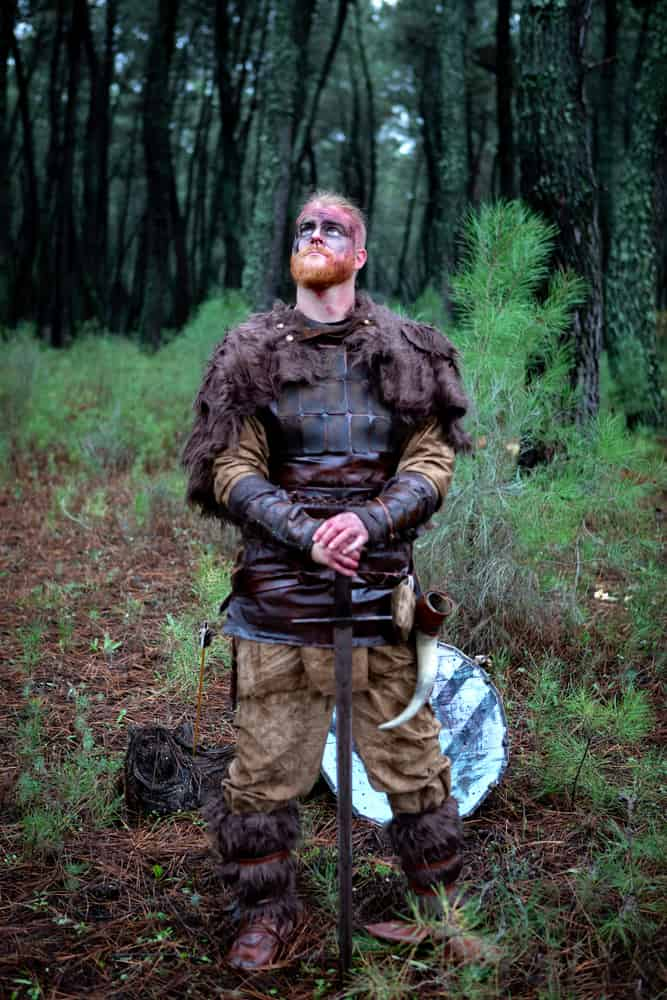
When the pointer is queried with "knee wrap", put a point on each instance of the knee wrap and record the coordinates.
(253, 854)
(429, 846)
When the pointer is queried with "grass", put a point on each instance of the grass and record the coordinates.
(60, 790)
(180, 632)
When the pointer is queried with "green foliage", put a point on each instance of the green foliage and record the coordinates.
(211, 586)
(620, 888)
(31, 640)
(502, 324)
(588, 747)
(20, 362)
(518, 549)
(105, 404)
(58, 791)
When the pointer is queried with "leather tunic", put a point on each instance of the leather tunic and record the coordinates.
(332, 445)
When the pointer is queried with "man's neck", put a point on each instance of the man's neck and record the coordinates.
(328, 305)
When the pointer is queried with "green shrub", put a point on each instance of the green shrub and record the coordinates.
(520, 550)
(105, 404)
(211, 586)
(589, 748)
(57, 792)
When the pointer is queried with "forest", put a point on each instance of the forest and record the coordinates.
(510, 157)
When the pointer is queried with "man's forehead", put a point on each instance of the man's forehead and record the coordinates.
(328, 213)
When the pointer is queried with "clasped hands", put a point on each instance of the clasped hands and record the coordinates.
(338, 542)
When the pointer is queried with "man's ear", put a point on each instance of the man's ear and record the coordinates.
(360, 257)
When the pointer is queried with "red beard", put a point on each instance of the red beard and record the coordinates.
(317, 273)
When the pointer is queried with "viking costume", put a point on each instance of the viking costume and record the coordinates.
(297, 421)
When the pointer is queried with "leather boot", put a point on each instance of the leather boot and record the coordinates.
(429, 847)
(254, 853)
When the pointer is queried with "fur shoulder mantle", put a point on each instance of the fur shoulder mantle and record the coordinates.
(412, 365)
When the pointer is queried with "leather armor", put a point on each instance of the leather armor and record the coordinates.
(333, 446)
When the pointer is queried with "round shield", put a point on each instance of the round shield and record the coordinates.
(473, 736)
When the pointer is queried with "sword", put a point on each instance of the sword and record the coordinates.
(343, 668)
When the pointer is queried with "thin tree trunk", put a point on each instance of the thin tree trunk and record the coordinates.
(304, 135)
(119, 297)
(267, 245)
(23, 295)
(369, 203)
(164, 224)
(445, 143)
(66, 261)
(7, 257)
(401, 283)
(96, 162)
(45, 271)
(504, 76)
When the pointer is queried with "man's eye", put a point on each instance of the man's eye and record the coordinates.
(334, 230)
(305, 229)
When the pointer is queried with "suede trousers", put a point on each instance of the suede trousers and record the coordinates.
(286, 695)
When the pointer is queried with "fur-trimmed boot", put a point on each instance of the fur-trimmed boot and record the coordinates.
(253, 851)
(429, 847)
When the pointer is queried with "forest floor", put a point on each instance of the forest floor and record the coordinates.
(101, 907)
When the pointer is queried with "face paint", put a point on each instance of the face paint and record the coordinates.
(329, 225)
(323, 252)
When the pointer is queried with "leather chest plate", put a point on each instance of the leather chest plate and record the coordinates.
(337, 415)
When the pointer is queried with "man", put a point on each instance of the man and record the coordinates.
(327, 432)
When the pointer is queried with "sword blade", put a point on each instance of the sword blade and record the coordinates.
(343, 668)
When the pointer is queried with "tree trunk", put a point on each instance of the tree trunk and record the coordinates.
(445, 143)
(119, 298)
(504, 99)
(230, 110)
(401, 283)
(23, 293)
(303, 137)
(267, 244)
(369, 204)
(64, 302)
(96, 163)
(631, 285)
(556, 171)
(609, 121)
(164, 224)
(7, 18)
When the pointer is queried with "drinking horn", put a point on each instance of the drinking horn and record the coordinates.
(430, 611)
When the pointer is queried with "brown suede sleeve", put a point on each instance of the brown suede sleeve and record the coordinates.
(249, 458)
(428, 453)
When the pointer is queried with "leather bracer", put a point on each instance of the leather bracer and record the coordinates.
(256, 502)
(407, 501)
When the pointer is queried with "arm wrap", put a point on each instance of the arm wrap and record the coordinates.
(254, 500)
(407, 501)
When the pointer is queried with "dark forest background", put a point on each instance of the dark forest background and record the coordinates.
(153, 155)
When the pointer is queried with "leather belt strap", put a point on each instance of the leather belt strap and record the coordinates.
(432, 866)
(266, 860)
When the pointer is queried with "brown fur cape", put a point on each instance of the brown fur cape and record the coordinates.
(413, 367)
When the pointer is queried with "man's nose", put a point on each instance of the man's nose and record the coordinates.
(316, 236)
